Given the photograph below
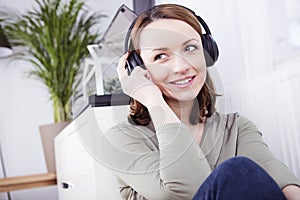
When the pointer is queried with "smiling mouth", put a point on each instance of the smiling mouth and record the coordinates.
(183, 81)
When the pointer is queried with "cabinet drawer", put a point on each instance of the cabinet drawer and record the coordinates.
(75, 168)
(79, 175)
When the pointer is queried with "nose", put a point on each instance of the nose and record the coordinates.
(180, 65)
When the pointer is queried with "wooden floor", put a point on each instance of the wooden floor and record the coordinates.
(25, 182)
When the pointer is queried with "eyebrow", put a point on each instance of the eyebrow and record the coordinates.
(165, 48)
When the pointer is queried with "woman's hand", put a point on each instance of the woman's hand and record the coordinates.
(138, 85)
(291, 192)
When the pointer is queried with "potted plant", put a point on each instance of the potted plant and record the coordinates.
(54, 36)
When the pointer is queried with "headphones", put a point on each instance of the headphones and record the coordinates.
(211, 52)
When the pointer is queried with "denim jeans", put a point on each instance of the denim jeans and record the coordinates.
(239, 178)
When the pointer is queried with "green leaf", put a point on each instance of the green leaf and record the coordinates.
(55, 35)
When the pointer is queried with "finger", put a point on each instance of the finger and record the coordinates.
(121, 66)
(139, 71)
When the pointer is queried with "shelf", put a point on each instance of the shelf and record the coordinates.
(25, 182)
(109, 100)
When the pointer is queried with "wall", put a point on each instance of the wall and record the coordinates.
(24, 106)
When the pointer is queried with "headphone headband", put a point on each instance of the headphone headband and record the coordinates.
(209, 45)
(202, 22)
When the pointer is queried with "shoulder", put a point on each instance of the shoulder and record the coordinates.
(127, 134)
(131, 137)
(245, 125)
(127, 131)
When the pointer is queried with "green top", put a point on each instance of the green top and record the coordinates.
(169, 164)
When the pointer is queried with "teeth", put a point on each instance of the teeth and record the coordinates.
(182, 82)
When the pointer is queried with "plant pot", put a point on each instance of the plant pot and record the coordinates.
(48, 133)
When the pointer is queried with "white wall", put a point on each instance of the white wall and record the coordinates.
(24, 106)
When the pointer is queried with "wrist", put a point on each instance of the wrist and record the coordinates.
(161, 113)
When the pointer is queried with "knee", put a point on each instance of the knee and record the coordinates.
(239, 166)
(239, 161)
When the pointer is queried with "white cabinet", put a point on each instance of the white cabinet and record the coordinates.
(79, 174)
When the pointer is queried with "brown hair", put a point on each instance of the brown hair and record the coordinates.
(204, 104)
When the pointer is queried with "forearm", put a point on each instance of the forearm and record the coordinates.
(291, 192)
(181, 161)
(174, 172)
(160, 112)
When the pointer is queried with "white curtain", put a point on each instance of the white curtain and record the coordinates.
(259, 66)
(260, 71)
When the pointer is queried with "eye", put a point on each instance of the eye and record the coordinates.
(160, 56)
(191, 48)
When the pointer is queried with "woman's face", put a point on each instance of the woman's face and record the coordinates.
(173, 55)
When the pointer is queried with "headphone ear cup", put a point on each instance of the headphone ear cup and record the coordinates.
(133, 60)
(211, 51)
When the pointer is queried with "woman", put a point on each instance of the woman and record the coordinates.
(175, 145)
